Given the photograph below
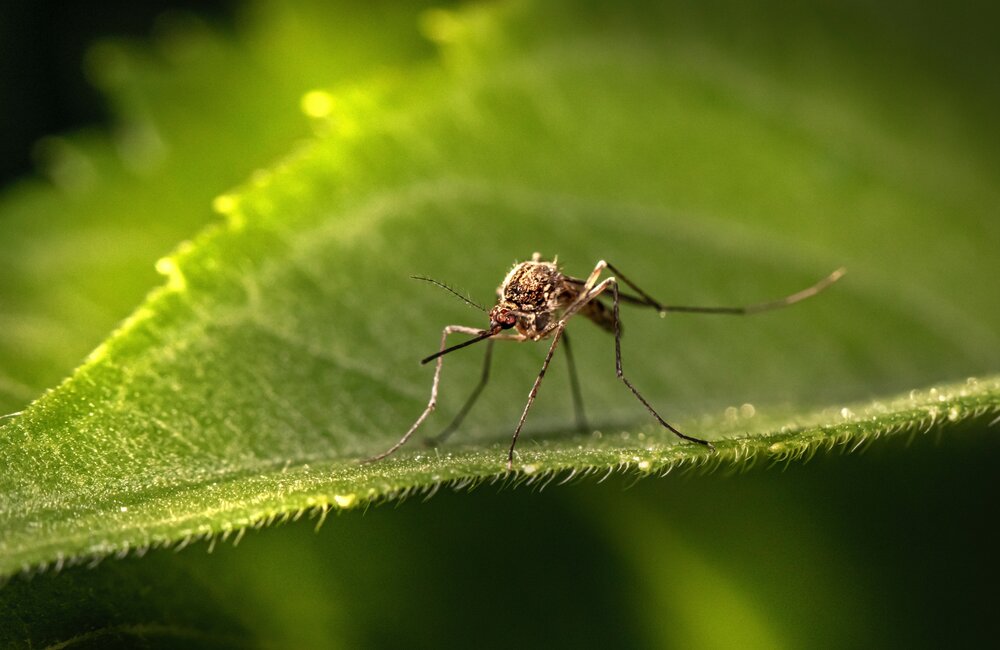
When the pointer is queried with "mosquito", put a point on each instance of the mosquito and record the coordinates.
(537, 300)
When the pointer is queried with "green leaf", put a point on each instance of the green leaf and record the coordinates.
(282, 347)
(80, 246)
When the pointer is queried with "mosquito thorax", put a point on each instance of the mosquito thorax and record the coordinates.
(534, 286)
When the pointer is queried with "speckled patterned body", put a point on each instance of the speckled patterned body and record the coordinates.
(537, 292)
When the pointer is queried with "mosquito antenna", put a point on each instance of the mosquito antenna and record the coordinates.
(485, 335)
(465, 299)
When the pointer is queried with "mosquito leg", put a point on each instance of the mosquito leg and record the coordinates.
(574, 384)
(586, 294)
(646, 298)
(618, 363)
(533, 393)
(451, 329)
(592, 278)
(808, 292)
(441, 437)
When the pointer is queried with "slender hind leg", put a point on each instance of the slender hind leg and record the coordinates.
(621, 375)
(646, 299)
(591, 294)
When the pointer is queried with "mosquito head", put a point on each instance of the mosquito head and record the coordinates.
(502, 318)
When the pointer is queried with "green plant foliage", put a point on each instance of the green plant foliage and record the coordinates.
(679, 144)
(79, 248)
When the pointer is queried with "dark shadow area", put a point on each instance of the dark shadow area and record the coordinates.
(43, 88)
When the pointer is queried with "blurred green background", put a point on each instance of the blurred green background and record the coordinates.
(891, 547)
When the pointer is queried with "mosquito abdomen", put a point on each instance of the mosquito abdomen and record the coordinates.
(600, 314)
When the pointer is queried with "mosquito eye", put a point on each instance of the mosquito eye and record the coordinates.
(507, 320)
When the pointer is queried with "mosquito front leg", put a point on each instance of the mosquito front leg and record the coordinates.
(469, 402)
(534, 392)
(451, 329)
